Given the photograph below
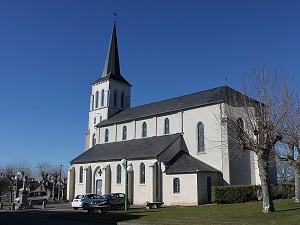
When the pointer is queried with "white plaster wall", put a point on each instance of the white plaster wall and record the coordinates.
(79, 187)
(256, 171)
(216, 179)
(188, 190)
(151, 127)
(102, 112)
(140, 192)
(130, 131)
(244, 164)
(216, 150)
(120, 87)
(174, 121)
(216, 140)
(210, 117)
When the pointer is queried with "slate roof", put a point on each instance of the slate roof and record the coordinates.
(112, 64)
(184, 163)
(144, 148)
(198, 99)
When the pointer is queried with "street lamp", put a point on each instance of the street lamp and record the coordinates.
(128, 169)
(17, 178)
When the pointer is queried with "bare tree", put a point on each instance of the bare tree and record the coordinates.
(288, 149)
(253, 120)
(3, 183)
(285, 172)
(51, 178)
(11, 170)
(55, 176)
(44, 172)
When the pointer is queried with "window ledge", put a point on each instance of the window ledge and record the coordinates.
(201, 153)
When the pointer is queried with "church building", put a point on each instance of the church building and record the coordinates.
(171, 151)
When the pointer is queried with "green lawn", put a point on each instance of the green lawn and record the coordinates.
(287, 212)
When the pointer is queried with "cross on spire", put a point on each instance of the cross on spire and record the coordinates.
(115, 14)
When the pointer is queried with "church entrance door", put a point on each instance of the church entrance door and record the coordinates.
(99, 187)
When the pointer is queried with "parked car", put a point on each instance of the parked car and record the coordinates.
(113, 201)
(84, 201)
(35, 197)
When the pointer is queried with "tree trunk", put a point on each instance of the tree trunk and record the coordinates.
(297, 183)
(268, 205)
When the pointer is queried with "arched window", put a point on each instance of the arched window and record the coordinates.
(124, 133)
(81, 174)
(97, 100)
(122, 99)
(102, 97)
(106, 135)
(94, 139)
(93, 100)
(240, 129)
(176, 185)
(118, 175)
(142, 173)
(144, 129)
(167, 126)
(200, 136)
(115, 97)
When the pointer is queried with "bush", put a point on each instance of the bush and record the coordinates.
(246, 193)
(283, 191)
(235, 194)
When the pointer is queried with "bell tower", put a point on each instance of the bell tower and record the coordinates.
(110, 93)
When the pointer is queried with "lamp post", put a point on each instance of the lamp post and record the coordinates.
(17, 178)
(128, 169)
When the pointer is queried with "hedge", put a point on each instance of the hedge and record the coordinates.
(246, 193)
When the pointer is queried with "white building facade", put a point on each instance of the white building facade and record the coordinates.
(178, 148)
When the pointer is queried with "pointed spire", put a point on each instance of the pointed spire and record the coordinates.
(112, 64)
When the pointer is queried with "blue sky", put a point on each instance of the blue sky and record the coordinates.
(51, 51)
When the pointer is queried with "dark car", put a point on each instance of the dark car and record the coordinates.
(111, 201)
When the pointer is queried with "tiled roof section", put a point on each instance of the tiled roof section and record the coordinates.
(112, 64)
(184, 163)
(198, 99)
(144, 148)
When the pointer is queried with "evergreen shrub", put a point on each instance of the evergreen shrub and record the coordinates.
(247, 193)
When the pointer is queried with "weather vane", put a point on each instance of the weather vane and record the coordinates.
(115, 14)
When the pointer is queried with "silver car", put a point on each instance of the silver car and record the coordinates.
(84, 201)
(35, 197)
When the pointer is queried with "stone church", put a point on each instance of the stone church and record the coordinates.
(174, 150)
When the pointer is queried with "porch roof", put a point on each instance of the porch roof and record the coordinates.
(185, 163)
(144, 148)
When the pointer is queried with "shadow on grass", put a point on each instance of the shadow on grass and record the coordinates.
(286, 210)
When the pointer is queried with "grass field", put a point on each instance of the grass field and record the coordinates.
(287, 212)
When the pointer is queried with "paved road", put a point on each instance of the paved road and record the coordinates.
(51, 215)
